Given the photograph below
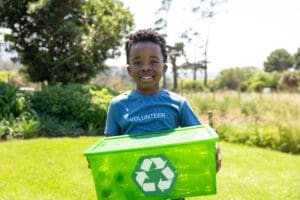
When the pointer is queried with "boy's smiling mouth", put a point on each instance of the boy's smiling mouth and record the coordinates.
(146, 78)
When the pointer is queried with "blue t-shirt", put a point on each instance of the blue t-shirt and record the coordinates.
(131, 113)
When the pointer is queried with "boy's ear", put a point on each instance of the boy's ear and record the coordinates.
(165, 67)
(128, 69)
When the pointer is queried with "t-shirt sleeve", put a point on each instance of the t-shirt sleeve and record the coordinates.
(112, 126)
(188, 117)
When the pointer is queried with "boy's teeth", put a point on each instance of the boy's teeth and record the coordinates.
(146, 77)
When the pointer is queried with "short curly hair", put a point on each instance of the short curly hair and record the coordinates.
(146, 35)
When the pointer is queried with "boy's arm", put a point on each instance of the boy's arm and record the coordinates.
(218, 157)
(111, 124)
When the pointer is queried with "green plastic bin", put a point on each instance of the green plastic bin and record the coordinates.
(156, 165)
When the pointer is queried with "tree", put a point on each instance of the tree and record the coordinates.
(207, 10)
(162, 23)
(190, 37)
(289, 80)
(235, 78)
(260, 80)
(297, 59)
(201, 9)
(64, 41)
(163, 12)
(279, 60)
(175, 52)
(192, 66)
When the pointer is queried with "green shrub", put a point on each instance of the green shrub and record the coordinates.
(14, 103)
(202, 105)
(249, 108)
(53, 127)
(72, 109)
(289, 80)
(24, 128)
(232, 133)
(192, 85)
(17, 118)
(260, 80)
(5, 130)
(289, 137)
(224, 105)
(283, 138)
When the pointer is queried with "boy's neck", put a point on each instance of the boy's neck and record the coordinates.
(148, 92)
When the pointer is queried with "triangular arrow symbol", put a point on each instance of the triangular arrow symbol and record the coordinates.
(159, 162)
(168, 173)
(141, 177)
(149, 187)
(164, 185)
(146, 165)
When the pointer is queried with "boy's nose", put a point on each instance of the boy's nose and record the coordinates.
(146, 67)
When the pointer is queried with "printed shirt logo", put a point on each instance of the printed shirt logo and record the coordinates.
(147, 117)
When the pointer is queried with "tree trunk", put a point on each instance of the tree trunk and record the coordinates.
(195, 72)
(175, 84)
(205, 76)
(164, 81)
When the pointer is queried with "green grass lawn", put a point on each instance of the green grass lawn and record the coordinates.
(56, 169)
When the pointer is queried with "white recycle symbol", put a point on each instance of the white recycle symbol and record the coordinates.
(155, 175)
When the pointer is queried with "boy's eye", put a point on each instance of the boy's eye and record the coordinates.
(137, 63)
(153, 61)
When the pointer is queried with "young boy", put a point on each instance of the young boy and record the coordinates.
(148, 108)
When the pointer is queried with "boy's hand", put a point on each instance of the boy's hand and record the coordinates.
(218, 157)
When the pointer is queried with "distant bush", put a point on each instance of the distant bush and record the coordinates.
(260, 80)
(264, 120)
(235, 78)
(281, 137)
(72, 109)
(289, 80)
(192, 85)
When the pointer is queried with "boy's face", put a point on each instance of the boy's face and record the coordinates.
(146, 66)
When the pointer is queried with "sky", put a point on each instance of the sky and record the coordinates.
(243, 33)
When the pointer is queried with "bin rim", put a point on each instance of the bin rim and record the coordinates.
(91, 150)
